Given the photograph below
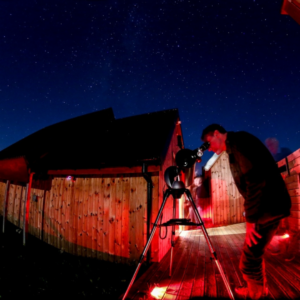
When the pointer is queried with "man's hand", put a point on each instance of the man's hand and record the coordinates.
(252, 236)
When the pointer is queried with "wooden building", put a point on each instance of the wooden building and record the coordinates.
(290, 167)
(225, 204)
(291, 8)
(95, 183)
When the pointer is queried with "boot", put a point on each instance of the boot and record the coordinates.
(242, 292)
(257, 291)
(253, 291)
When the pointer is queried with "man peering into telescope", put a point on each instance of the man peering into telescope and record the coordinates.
(266, 199)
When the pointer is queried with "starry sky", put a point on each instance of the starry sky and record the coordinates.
(231, 62)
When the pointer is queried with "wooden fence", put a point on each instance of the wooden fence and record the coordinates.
(292, 179)
(103, 217)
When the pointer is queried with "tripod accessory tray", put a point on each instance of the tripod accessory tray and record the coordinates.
(182, 222)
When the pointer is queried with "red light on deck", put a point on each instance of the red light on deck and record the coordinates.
(158, 292)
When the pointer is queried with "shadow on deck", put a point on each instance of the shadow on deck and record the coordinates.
(195, 275)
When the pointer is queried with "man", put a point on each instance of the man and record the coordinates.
(266, 199)
(277, 153)
(199, 193)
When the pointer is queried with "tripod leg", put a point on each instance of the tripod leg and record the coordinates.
(166, 195)
(208, 241)
(173, 236)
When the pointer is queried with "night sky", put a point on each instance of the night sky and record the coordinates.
(230, 62)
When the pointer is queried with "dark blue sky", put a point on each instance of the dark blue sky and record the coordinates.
(230, 62)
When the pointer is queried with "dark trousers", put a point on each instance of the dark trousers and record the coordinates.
(252, 263)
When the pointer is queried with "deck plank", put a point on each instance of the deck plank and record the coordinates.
(188, 280)
(157, 275)
(196, 276)
(225, 258)
(210, 285)
(234, 254)
(198, 284)
(181, 269)
(220, 286)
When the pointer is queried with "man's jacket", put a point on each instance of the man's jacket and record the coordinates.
(257, 178)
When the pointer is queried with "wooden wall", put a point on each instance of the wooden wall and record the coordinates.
(163, 245)
(292, 180)
(14, 205)
(227, 204)
(103, 217)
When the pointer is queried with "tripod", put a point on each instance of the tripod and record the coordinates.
(177, 191)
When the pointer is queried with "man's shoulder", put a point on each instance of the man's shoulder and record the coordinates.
(244, 142)
(239, 133)
(240, 137)
(250, 146)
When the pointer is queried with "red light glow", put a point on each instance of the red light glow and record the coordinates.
(285, 236)
(158, 292)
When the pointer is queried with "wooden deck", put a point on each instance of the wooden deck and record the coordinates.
(196, 276)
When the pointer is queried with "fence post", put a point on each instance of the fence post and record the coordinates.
(4, 205)
(26, 209)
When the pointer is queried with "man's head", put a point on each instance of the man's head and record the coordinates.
(272, 144)
(216, 135)
(198, 180)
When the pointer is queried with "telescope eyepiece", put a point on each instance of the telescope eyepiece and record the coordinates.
(204, 146)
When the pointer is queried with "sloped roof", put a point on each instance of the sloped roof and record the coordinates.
(50, 141)
(95, 141)
(14, 169)
(50, 138)
(144, 137)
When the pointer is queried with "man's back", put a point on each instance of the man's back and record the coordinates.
(257, 178)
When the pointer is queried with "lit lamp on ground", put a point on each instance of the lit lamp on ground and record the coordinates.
(285, 236)
(158, 292)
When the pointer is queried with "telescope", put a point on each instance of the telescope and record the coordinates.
(185, 159)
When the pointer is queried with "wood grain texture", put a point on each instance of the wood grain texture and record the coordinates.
(195, 276)
(102, 213)
(125, 229)
(10, 203)
(225, 200)
(102, 218)
(79, 194)
(46, 221)
(94, 215)
(106, 219)
(164, 244)
(118, 221)
(2, 193)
